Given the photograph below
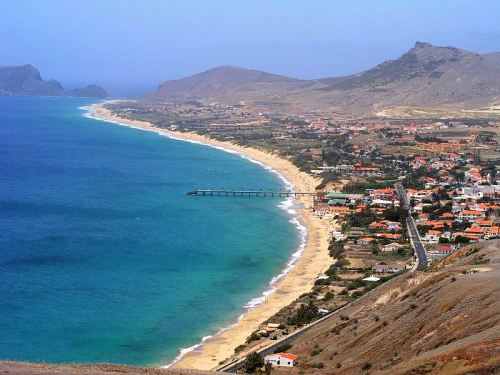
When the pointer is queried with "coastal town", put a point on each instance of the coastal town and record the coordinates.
(376, 178)
(250, 187)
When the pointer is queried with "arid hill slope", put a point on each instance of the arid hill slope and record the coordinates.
(225, 80)
(442, 321)
(425, 76)
(493, 57)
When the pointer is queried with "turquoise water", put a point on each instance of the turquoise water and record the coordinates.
(103, 257)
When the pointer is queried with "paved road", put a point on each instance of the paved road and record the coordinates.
(234, 366)
(418, 246)
(422, 263)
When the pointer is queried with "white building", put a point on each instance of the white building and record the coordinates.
(392, 247)
(281, 359)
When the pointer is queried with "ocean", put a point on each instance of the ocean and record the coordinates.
(103, 256)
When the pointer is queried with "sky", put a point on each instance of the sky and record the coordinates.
(130, 46)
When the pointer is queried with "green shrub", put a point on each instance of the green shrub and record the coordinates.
(253, 337)
(252, 362)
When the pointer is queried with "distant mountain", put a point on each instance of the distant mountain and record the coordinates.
(425, 76)
(424, 61)
(26, 80)
(90, 91)
(224, 80)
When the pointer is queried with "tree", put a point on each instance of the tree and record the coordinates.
(304, 315)
(252, 362)
(461, 239)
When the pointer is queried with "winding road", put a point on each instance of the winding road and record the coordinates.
(422, 263)
(416, 241)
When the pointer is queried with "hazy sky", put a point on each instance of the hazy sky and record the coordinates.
(131, 46)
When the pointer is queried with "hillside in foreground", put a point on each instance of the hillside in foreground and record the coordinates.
(442, 321)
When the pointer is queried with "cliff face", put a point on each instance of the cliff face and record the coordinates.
(26, 80)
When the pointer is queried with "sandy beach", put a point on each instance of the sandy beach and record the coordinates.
(313, 262)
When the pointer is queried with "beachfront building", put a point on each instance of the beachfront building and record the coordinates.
(336, 199)
(281, 359)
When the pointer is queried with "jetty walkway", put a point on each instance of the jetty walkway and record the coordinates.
(251, 193)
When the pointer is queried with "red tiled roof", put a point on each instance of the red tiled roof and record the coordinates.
(472, 212)
(434, 232)
(477, 230)
(486, 223)
(289, 356)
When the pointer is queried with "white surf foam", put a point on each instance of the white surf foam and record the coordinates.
(287, 205)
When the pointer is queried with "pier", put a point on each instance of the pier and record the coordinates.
(251, 193)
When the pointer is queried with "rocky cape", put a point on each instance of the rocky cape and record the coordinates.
(25, 80)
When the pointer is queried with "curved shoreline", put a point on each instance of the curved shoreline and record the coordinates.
(302, 268)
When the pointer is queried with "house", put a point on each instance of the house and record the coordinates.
(388, 268)
(432, 236)
(385, 202)
(389, 236)
(447, 216)
(478, 232)
(393, 225)
(281, 359)
(484, 223)
(365, 240)
(422, 217)
(470, 215)
(336, 198)
(392, 247)
(383, 194)
(493, 232)
(377, 225)
(338, 235)
(419, 195)
(339, 210)
(481, 207)
(443, 250)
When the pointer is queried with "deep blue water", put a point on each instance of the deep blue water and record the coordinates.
(103, 257)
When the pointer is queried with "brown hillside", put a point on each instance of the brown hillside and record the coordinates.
(225, 80)
(442, 321)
